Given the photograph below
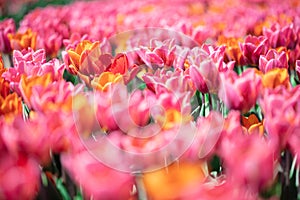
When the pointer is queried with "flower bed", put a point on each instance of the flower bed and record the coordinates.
(151, 100)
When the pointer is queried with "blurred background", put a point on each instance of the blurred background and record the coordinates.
(16, 9)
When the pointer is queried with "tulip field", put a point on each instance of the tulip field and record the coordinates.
(150, 100)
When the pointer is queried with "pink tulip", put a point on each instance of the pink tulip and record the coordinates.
(207, 138)
(19, 177)
(52, 132)
(272, 60)
(60, 133)
(94, 177)
(205, 76)
(139, 108)
(177, 83)
(32, 63)
(240, 92)
(18, 139)
(150, 58)
(6, 26)
(165, 50)
(253, 48)
(142, 148)
(49, 26)
(219, 189)
(113, 105)
(217, 55)
(55, 97)
(286, 36)
(281, 112)
(245, 163)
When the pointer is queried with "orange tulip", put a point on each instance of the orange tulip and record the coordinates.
(276, 77)
(233, 51)
(281, 19)
(19, 41)
(119, 64)
(105, 80)
(80, 52)
(4, 85)
(11, 104)
(172, 118)
(1, 63)
(252, 124)
(26, 84)
(54, 97)
(174, 180)
(84, 50)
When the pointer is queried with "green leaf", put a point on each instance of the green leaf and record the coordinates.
(71, 78)
(142, 86)
(25, 111)
(274, 190)
(78, 195)
(293, 78)
(44, 179)
(62, 189)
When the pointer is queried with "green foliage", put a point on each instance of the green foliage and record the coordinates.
(70, 77)
(27, 7)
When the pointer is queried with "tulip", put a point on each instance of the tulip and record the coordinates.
(86, 60)
(10, 105)
(60, 134)
(178, 83)
(93, 176)
(174, 180)
(139, 107)
(23, 40)
(252, 48)
(276, 77)
(205, 76)
(104, 106)
(233, 52)
(218, 189)
(4, 85)
(6, 27)
(251, 124)
(205, 144)
(244, 163)
(217, 54)
(240, 92)
(27, 84)
(286, 36)
(281, 114)
(56, 96)
(273, 60)
(32, 63)
(106, 79)
(19, 177)
(119, 64)
(18, 139)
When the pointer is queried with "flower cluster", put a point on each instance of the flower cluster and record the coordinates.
(182, 100)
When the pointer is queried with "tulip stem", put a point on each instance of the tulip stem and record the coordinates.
(209, 97)
(7, 60)
(25, 111)
(287, 167)
(203, 104)
(215, 102)
(142, 195)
